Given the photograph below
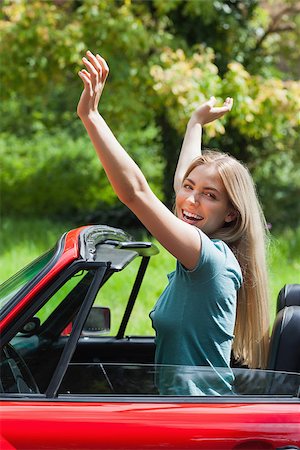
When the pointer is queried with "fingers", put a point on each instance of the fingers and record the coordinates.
(221, 110)
(227, 105)
(104, 66)
(96, 66)
(85, 76)
(93, 71)
(208, 112)
(229, 102)
(212, 101)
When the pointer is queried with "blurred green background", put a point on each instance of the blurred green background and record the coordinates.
(165, 58)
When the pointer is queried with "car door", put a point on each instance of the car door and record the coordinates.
(136, 421)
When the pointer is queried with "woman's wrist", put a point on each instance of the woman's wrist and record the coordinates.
(90, 117)
(194, 123)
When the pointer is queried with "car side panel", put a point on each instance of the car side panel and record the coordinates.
(211, 426)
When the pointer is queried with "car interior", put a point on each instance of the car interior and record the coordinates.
(60, 349)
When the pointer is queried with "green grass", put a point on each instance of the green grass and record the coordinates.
(23, 240)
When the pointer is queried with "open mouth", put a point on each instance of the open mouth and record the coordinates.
(190, 217)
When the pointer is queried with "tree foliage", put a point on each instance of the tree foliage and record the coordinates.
(165, 58)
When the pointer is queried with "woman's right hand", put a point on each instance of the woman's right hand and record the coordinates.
(93, 77)
(207, 112)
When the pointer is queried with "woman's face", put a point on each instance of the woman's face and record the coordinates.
(202, 200)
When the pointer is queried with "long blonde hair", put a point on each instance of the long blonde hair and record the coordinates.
(246, 236)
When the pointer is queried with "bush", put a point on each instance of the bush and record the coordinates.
(58, 176)
(50, 176)
(278, 181)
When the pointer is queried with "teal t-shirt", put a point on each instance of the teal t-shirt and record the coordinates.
(194, 322)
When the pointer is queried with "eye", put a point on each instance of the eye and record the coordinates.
(187, 186)
(209, 195)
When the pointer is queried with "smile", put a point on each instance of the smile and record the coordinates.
(191, 217)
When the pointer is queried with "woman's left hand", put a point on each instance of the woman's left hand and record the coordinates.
(208, 112)
(93, 77)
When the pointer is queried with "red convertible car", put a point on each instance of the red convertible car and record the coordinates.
(72, 378)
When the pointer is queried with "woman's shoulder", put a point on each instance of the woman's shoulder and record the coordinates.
(213, 248)
(224, 248)
(216, 258)
(232, 266)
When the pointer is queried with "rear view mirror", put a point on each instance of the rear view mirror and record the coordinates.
(97, 322)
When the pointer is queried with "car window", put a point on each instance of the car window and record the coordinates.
(50, 306)
(14, 284)
(29, 360)
(148, 380)
(39, 342)
(115, 294)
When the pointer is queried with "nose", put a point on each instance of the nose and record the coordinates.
(193, 198)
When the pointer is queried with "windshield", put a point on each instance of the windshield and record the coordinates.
(196, 381)
(14, 284)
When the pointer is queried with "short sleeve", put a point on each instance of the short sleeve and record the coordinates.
(215, 258)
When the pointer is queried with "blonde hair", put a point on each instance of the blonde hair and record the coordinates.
(246, 236)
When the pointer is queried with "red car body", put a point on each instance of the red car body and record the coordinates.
(113, 425)
(58, 412)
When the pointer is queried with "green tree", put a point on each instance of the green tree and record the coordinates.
(165, 58)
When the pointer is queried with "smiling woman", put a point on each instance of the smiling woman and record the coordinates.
(243, 228)
(203, 198)
(217, 235)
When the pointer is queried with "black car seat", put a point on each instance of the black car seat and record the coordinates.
(284, 353)
(289, 295)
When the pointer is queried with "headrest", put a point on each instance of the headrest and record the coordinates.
(289, 295)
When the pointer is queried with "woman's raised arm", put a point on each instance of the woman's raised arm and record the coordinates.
(179, 238)
(191, 146)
